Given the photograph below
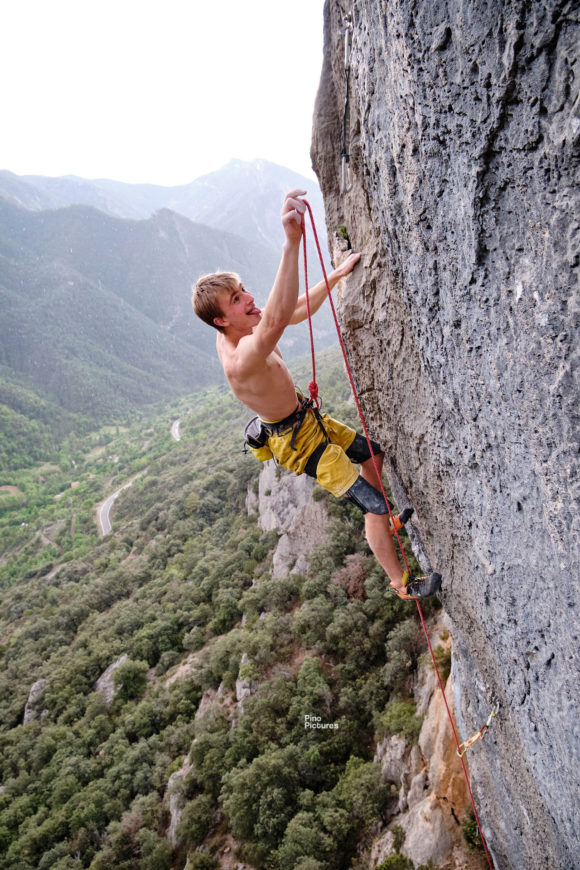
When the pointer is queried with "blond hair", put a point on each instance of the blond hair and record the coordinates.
(206, 292)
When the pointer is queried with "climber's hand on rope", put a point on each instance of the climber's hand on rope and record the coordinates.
(292, 210)
(346, 267)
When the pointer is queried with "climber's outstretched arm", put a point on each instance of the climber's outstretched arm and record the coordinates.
(318, 293)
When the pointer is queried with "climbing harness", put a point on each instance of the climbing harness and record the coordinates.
(346, 176)
(314, 391)
(258, 431)
(295, 420)
(479, 735)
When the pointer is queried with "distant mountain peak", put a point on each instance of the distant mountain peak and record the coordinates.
(217, 198)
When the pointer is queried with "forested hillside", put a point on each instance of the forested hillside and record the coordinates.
(183, 589)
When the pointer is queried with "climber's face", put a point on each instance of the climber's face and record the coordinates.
(238, 310)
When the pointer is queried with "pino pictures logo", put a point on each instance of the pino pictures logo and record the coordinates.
(311, 721)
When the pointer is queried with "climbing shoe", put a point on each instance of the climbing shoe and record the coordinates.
(417, 587)
(423, 587)
(399, 521)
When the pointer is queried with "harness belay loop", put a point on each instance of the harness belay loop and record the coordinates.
(310, 404)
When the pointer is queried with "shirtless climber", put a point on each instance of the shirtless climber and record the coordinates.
(288, 426)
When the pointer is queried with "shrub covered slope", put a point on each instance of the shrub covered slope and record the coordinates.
(182, 588)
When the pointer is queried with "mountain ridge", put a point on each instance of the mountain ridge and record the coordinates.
(206, 199)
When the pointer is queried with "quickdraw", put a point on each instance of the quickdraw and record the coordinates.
(479, 735)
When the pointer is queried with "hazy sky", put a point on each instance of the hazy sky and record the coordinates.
(156, 91)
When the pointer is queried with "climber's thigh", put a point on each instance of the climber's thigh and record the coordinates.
(335, 472)
(339, 433)
(294, 457)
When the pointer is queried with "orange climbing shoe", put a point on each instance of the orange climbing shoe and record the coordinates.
(396, 591)
(417, 587)
(398, 522)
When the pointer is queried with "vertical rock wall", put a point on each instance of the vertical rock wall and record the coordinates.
(462, 325)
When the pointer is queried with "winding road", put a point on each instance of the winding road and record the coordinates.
(103, 510)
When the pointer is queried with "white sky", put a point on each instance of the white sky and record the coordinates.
(157, 91)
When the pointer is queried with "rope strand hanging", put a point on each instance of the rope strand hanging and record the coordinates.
(314, 389)
(348, 368)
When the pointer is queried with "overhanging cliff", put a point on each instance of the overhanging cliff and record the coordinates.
(461, 324)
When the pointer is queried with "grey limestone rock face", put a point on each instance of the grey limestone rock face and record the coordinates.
(285, 503)
(281, 496)
(461, 323)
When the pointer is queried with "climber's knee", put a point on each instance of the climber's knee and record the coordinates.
(359, 450)
(367, 498)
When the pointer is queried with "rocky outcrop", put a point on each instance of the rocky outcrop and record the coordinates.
(175, 800)
(432, 795)
(214, 704)
(285, 504)
(280, 496)
(33, 709)
(106, 682)
(461, 323)
(245, 686)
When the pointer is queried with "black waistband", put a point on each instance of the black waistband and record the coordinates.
(294, 421)
(282, 425)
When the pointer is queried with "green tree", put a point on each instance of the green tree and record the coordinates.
(273, 779)
(196, 820)
(400, 717)
(130, 679)
(313, 692)
(396, 862)
(303, 838)
(362, 790)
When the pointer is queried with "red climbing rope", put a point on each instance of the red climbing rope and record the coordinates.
(348, 369)
(313, 387)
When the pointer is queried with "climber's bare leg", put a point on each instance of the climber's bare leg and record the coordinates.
(367, 469)
(377, 530)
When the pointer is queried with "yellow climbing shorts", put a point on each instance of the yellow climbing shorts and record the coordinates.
(335, 472)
